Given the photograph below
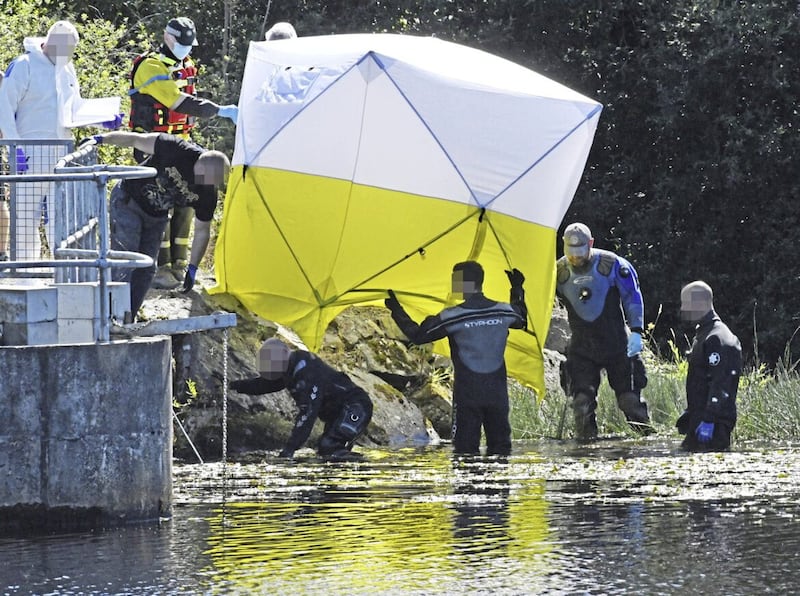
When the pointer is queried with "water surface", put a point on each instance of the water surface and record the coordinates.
(613, 517)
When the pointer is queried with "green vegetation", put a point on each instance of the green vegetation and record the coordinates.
(768, 407)
(692, 172)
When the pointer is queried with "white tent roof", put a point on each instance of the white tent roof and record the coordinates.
(417, 115)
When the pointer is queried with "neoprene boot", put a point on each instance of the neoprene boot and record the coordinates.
(583, 408)
(635, 409)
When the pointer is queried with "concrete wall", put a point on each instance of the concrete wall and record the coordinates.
(34, 313)
(86, 430)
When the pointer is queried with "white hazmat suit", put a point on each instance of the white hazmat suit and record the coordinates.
(39, 99)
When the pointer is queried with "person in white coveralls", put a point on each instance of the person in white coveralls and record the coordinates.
(40, 99)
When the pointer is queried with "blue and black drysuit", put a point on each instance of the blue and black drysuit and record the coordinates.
(319, 392)
(600, 298)
(477, 330)
(712, 382)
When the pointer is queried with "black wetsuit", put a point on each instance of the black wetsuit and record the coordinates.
(319, 392)
(477, 330)
(712, 382)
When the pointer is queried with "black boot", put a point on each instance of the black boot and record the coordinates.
(583, 407)
(635, 409)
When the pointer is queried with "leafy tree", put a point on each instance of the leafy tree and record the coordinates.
(691, 173)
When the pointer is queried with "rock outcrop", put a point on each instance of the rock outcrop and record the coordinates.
(410, 386)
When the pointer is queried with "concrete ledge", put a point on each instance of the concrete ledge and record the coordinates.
(88, 430)
(82, 300)
(28, 304)
(36, 313)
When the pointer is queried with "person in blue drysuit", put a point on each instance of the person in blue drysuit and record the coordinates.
(319, 391)
(605, 309)
(477, 330)
(712, 381)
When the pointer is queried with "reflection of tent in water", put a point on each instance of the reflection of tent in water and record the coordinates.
(368, 162)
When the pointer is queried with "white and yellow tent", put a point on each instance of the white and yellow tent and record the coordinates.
(373, 162)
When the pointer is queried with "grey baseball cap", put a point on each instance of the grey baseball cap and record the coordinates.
(577, 237)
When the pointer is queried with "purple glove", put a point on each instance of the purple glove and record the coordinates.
(113, 124)
(93, 140)
(22, 161)
(704, 432)
(188, 280)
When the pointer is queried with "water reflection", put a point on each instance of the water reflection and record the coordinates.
(136, 560)
(717, 547)
(480, 507)
(556, 517)
(417, 526)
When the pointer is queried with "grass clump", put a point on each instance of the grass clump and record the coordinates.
(768, 404)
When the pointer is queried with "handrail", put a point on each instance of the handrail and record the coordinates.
(69, 169)
(110, 172)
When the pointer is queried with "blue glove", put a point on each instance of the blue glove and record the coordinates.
(231, 112)
(113, 124)
(704, 432)
(22, 161)
(188, 280)
(93, 140)
(634, 344)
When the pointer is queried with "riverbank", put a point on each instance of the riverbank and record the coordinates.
(412, 386)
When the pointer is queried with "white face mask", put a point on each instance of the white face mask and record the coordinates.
(181, 51)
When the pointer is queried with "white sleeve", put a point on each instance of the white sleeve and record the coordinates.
(12, 91)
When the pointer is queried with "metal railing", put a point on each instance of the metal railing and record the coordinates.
(79, 230)
(25, 216)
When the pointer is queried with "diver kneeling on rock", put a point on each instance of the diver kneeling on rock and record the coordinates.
(319, 392)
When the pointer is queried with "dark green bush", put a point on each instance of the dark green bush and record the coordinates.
(693, 170)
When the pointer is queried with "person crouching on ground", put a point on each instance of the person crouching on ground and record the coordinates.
(712, 381)
(319, 391)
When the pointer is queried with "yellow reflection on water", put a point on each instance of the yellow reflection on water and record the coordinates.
(413, 524)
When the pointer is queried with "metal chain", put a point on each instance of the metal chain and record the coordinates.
(224, 399)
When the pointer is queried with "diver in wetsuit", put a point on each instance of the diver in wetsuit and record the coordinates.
(601, 293)
(712, 381)
(319, 392)
(477, 330)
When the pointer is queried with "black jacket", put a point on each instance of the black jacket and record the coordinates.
(477, 330)
(318, 390)
(715, 364)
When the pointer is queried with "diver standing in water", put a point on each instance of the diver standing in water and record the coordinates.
(715, 365)
(601, 293)
(477, 330)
